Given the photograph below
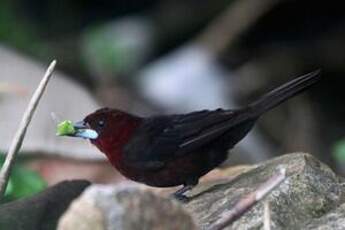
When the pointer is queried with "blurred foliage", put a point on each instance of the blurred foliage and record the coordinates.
(14, 30)
(23, 182)
(117, 48)
(105, 50)
(338, 152)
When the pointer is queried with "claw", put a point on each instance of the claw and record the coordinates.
(181, 198)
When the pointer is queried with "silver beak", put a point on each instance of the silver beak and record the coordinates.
(83, 131)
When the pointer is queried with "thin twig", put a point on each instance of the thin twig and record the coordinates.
(20, 134)
(267, 216)
(245, 203)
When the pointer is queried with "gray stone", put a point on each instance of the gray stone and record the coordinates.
(312, 197)
(334, 219)
(309, 198)
(310, 192)
(124, 207)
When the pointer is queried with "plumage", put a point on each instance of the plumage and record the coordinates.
(178, 149)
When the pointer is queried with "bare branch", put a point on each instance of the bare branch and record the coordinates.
(20, 134)
(245, 203)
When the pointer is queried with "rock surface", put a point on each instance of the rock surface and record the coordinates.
(124, 207)
(335, 219)
(309, 198)
(306, 198)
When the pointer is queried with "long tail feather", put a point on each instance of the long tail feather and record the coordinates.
(283, 93)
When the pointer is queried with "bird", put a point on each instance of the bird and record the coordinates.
(178, 149)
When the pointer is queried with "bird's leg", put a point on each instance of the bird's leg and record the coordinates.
(179, 194)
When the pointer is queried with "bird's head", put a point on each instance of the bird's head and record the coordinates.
(107, 128)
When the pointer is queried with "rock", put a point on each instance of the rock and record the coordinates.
(312, 197)
(41, 211)
(63, 96)
(124, 207)
(310, 192)
(335, 219)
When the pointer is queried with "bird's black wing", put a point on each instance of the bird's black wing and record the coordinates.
(161, 138)
(165, 137)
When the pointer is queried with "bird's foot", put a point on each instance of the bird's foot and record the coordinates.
(181, 198)
(179, 194)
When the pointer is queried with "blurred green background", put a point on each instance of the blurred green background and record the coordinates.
(23, 182)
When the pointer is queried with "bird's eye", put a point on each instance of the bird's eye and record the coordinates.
(100, 123)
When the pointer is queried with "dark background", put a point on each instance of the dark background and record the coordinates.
(287, 39)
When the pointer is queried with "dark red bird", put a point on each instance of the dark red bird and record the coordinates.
(172, 150)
